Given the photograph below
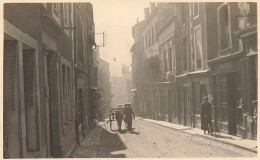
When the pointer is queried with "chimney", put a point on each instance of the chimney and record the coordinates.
(146, 13)
(152, 4)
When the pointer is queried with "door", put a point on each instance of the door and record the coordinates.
(47, 104)
(79, 116)
(231, 103)
(179, 106)
(169, 106)
(196, 101)
(185, 103)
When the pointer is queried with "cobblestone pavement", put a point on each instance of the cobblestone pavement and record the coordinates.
(148, 140)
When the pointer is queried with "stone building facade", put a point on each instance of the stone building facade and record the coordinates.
(213, 47)
(39, 78)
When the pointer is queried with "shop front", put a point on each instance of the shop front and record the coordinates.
(227, 91)
(183, 100)
(249, 38)
(199, 89)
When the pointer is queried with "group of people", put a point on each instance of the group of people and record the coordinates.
(126, 114)
(206, 115)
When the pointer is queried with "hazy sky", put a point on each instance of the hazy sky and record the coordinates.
(116, 18)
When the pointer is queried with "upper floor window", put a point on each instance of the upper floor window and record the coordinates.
(198, 48)
(165, 61)
(224, 32)
(184, 53)
(154, 28)
(153, 35)
(173, 58)
(143, 43)
(195, 9)
(66, 13)
(149, 37)
(66, 93)
(146, 44)
(170, 58)
(183, 13)
(56, 9)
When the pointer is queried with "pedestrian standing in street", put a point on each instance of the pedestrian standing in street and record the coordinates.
(119, 118)
(205, 114)
(110, 119)
(129, 114)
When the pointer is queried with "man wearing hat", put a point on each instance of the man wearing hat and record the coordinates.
(205, 114)
(129, 114)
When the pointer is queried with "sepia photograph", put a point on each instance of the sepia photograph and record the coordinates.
(129, 79)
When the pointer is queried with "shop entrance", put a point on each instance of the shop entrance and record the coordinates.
(231, 94)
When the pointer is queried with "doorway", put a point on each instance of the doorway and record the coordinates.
(231, 88)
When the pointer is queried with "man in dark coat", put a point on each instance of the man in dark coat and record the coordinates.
(205, 114)
(119, 118)
(128, 113)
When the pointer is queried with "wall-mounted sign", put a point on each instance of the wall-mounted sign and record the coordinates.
(227, 66)
(224, 66)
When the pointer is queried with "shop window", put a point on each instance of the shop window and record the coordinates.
(186, 100)
(184, 54)
(224, 32)
(195, 9)
(198, 48)
(238, 86)
(223, 86)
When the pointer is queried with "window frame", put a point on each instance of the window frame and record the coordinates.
(196, 16)
(198, 27)
(229, 41)
(186, 51)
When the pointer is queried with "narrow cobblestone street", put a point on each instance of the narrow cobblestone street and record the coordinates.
(149, 140)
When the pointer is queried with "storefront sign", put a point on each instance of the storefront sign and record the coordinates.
(224, 66)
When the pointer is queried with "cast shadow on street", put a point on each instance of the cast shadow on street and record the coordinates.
(108, 143)
(186, 128)
(224, 137)
(124, 131)
(105, 146)
(133, 132)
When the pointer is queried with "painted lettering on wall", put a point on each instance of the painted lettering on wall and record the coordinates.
(224, 66)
